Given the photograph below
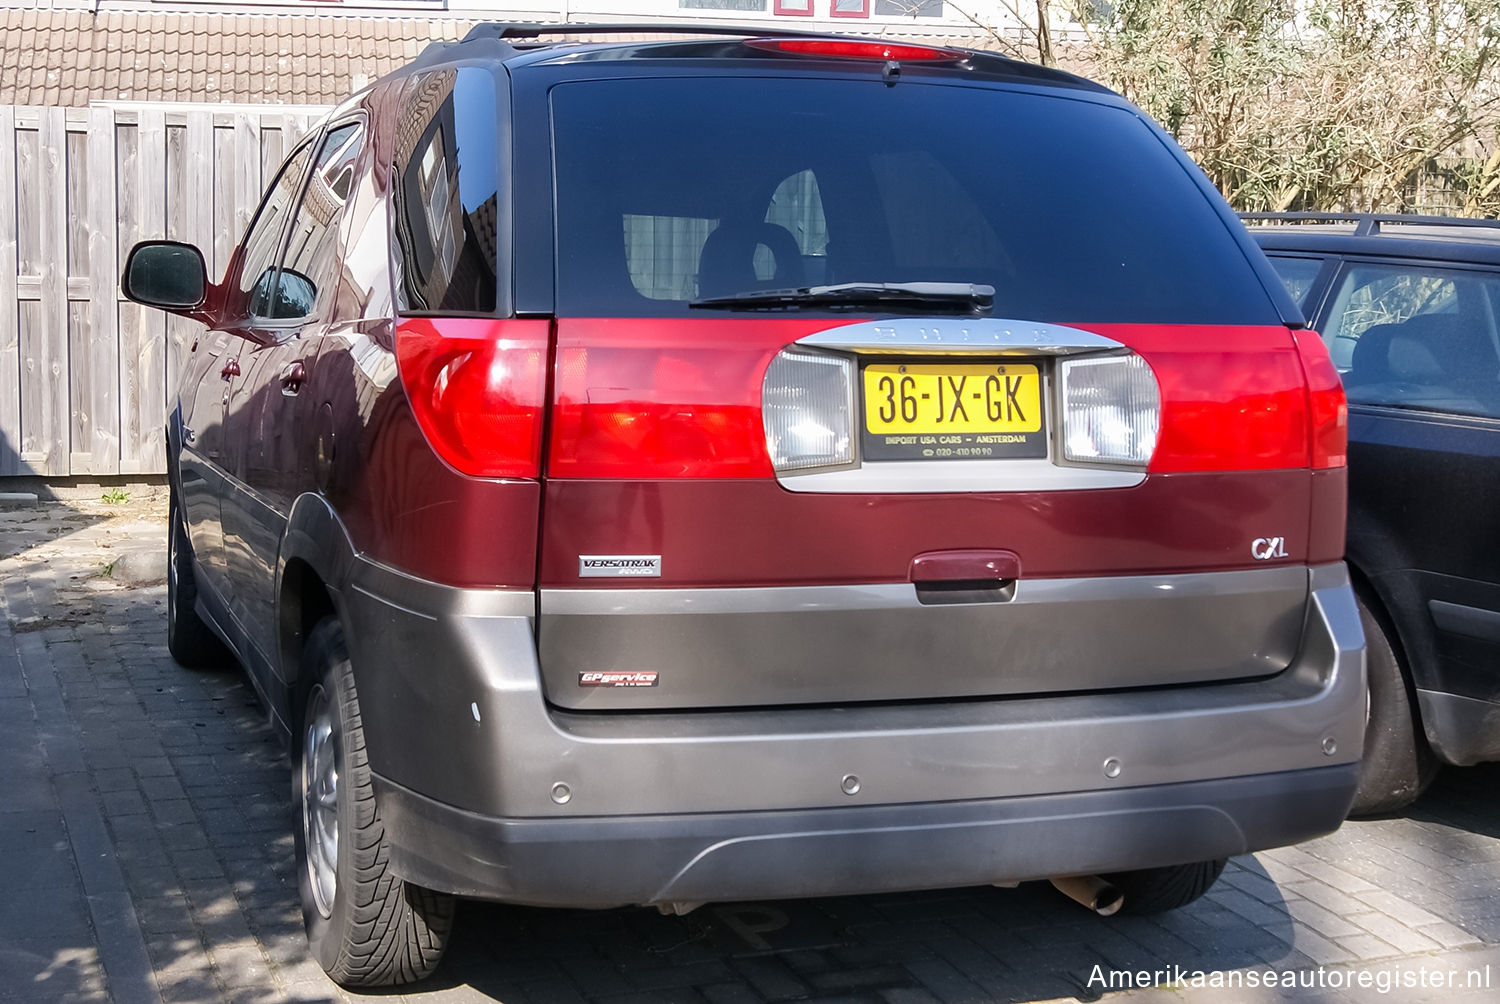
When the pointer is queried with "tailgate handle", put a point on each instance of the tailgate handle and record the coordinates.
(965, 576)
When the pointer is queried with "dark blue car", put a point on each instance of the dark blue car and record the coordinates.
(1410, 310)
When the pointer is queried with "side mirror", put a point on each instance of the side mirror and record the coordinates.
(165, 274)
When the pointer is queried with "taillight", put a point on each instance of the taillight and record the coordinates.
(809, 411)
(664, 398)
(1325, 401)
(840, 48)
(1232, 398)
(477, 387)
(1111, 410)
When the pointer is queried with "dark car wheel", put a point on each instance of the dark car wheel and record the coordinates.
(1398, 765)
(1157, 890)
(189, 638)
(366, 926)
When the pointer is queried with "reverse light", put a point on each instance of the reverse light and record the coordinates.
(477, 388)
(808, 403)
(1111, 410)
(840, 48)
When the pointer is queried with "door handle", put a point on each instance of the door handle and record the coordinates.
(231, 370)
(292, 376)
(944, 577)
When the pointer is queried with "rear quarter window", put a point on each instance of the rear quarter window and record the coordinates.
(673, 188)
(445, 210)
(1298, 275)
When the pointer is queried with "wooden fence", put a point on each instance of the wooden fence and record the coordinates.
(85, 375)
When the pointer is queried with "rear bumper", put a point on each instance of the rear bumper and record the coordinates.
(600, 862)
(716, 805)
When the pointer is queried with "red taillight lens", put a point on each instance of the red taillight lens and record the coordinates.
(664, 398)
(1232, 398)
(477, 388)
(1326, 402)
(839, 48)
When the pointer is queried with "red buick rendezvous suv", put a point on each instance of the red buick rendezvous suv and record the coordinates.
(758, 465)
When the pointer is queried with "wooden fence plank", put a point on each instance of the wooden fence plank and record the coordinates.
(79, 374)
(272, 148)
(196, 188)
(10, 338)
(247, 176)
(225, 197)
(50, 347)
(104, 333)
(148, 409)
(129, 317)
(76, 164)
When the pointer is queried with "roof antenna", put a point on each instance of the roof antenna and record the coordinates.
(891, 73)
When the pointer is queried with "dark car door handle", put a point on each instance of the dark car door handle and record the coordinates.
(292, 376)
(231, 370)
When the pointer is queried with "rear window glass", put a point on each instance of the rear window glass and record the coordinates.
(669, 189)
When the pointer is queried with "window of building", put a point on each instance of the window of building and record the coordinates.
(748, 5)
(849, 8)
(793, 8)
(909, 8)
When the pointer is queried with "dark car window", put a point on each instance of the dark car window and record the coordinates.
(1417, 336)
(258, 269)
(312, 242)
(670, 189)
(445, 213)
(1298, 275)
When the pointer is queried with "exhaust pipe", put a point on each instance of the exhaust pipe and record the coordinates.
(1091, 891)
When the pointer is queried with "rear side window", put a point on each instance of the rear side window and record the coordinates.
(670, 189)
(445, 209)
(1416, 336)
(1298, 275)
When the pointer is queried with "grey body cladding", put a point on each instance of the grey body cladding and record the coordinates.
(600, 566)
(755, 806)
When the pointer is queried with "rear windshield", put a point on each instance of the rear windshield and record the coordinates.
(670, 189)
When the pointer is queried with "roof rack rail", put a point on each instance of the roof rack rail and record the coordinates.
(1370, 223)
(508, 31)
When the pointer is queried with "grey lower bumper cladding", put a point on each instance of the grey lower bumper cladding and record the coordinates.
(586, 862)
(714, 805)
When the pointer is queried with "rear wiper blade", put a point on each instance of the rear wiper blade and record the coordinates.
(955, 297)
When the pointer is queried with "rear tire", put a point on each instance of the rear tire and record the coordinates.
(365, 925)
(1398, 765)
(1157, 890)
(191, 641)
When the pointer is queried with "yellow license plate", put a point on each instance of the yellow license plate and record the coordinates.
(946, 411)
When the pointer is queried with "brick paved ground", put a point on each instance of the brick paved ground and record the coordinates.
(145, 837)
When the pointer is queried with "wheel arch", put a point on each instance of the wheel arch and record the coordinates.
(312, 573)
(1398, 632)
